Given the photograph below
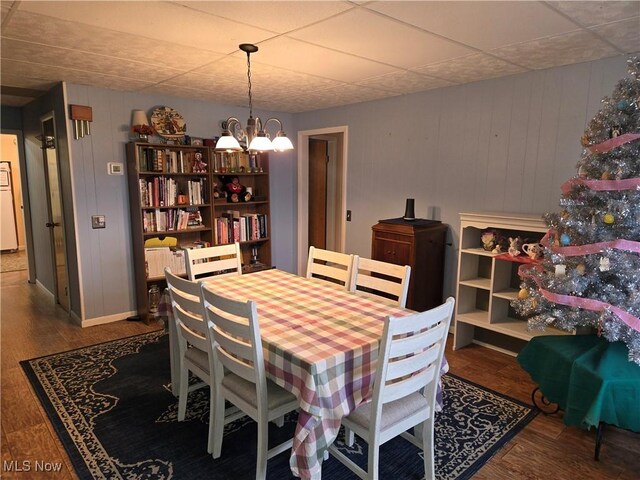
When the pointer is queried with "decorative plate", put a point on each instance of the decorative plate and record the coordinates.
(168, 123)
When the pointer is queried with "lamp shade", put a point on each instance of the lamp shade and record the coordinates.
(228, 143)
(261, 144)
(139, 118)
(282, 143)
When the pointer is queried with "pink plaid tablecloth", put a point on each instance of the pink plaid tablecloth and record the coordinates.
(320, 342)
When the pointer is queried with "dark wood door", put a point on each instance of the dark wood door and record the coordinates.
(318, 193)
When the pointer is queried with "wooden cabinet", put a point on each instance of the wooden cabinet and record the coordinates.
(256, 249)
(487, 282)
(169, 197)
(419, 244)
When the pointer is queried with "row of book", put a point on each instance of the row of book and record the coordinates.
(232, 227)
(171, 161)
(157, 258)
(171, 220)
(165, 192)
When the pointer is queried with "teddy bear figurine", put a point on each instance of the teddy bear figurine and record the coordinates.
(489, 239)
(515, 246)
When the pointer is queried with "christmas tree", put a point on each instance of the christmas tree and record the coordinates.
(590, 272)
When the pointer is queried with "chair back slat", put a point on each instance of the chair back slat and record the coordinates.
(235, 329)
(411, 364)
(381, 279)
(210, 260)
(188, 312)
(410, 356)
(333, 267)
(400, 389)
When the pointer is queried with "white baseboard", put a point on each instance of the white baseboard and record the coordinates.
(90, 322)
(45, 290)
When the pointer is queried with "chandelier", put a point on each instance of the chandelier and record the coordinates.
(254, 134)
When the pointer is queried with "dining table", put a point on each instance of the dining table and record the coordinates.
(320, 342)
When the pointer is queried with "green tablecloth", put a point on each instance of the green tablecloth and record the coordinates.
(591, 379)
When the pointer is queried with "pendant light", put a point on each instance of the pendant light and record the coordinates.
(254, 134)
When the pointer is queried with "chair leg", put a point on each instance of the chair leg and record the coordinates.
(263, 445)
(212, 409)
(374, 455)
(184, 393)
(218, 422)
(426, 429)
(349, 437)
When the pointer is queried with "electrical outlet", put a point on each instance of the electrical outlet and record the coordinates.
(348, 215)
(98, 221)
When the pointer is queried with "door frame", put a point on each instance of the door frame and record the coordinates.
(26, 204)
(43, 118)
(303, 191)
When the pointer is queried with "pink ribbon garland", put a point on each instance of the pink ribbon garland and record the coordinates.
(614, 142)
(601, 185)
(574, 251)
(579, 302)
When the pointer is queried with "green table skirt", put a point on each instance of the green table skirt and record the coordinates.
(591, 379)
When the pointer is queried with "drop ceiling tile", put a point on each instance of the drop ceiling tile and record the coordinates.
(281, 16)
(624, 34)
(575, 47)
(57, 74)
(154, 20)
(484, 25)
(342, 95)
(206, 83)
(50, 31)
(597, 13)
(13, 101)
(369, 35)
(77, 59)
(303, 57)
(404, 81)
(11, 80)
(470, 68)
(220, 96)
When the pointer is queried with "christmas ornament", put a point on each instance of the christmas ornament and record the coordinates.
(523, 293)
(561, 270)
(608, 218)
(565, 239)
(605, 175)
(605, 264)
(580, 269)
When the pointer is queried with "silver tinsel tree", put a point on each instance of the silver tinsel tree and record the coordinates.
(590, 272)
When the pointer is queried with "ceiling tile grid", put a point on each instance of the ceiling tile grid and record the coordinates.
(312, 54)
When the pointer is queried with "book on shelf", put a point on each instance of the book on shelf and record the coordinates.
(172, 220)
(166, 160)
(231, 227)
(157, 258)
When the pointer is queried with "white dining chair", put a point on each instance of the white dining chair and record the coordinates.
(381, 279)
(219, 259)
(195, 347)
(404, 390)
(240, 374)
(332, 267)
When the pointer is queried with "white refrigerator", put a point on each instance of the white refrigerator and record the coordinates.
(8, 235)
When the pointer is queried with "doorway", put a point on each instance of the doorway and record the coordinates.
(55, 222)
(322, 180)
(12, 225)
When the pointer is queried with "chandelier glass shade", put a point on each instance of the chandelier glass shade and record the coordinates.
(254, 135)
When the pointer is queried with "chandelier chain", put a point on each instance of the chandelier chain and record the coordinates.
(249, 81)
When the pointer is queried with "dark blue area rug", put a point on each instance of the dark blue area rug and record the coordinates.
(112, 407)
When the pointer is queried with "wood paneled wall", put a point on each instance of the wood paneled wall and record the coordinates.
(504, 145)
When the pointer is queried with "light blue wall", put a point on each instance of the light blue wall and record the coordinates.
(501, 145)
(106, 265)
(505, 144)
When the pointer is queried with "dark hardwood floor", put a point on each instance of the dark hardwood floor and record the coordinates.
(32, 326)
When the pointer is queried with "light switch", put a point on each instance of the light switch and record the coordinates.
(98, 221)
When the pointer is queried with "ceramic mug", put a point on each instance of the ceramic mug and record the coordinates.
(532, 250)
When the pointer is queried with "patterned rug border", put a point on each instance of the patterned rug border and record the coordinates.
(524, 421)
(83, 471)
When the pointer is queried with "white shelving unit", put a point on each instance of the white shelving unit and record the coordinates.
(487, 283)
